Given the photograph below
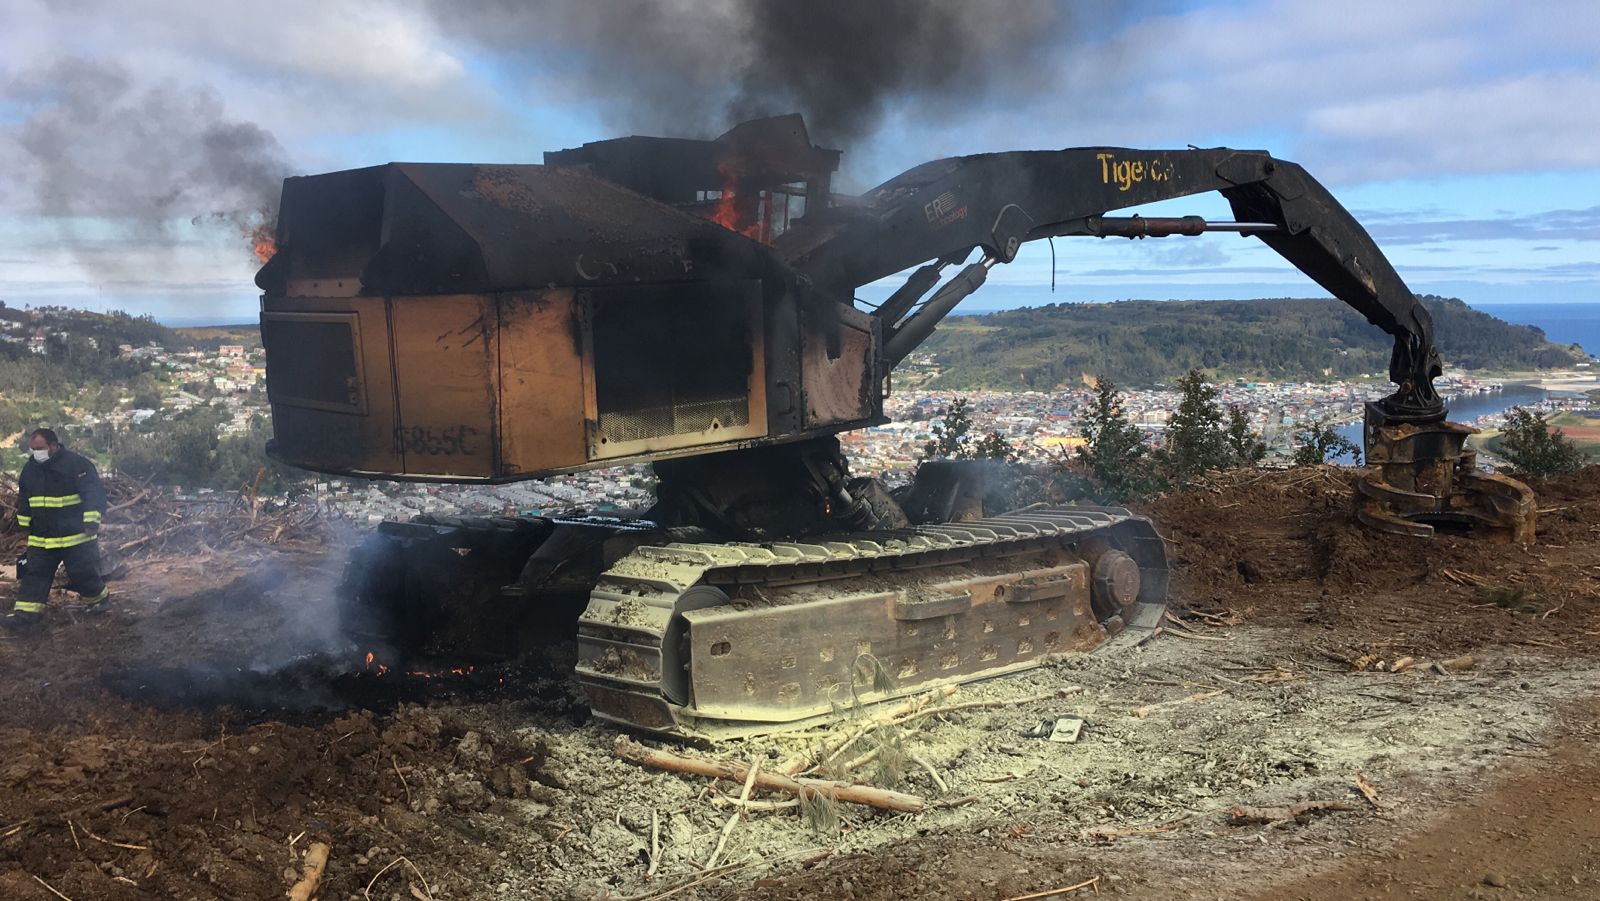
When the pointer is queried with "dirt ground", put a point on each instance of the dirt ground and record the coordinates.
(193, 743)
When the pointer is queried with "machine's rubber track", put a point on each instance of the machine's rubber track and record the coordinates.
(717, 640)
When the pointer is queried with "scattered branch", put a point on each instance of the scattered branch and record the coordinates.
(744, 796)
(110, 842)
(736, 772)
(1057, 891)
(50, 888)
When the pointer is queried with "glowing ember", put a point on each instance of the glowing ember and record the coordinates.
(383, 670)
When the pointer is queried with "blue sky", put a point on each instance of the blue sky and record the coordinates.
(1462, 133)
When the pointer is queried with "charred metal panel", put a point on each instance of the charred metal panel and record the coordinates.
(315, 360)
(329, 226)
(839, 382)
(542, 395)
(330, 384)
(670, 367)
(447, 371)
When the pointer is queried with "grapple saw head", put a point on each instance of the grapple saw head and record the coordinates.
(1421, 477)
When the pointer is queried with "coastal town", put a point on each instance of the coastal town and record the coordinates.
(1039, 426)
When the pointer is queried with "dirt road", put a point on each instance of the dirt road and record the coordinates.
(195, 743)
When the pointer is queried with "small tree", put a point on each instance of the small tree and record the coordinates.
(994, 446)
(1113, 451)
(953, 438)
(952, 433)
(1197, 440)
(1248, 448)
(1533, 449)
(1319, 443)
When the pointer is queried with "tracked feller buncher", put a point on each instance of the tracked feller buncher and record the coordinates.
(691, 305)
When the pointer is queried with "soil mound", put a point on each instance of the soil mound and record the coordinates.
(1285, 547)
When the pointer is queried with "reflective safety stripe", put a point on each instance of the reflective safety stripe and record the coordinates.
(23, 520)
(63, 541)
(91, 516)
(64, 500)
(30, 607)
(104, 593)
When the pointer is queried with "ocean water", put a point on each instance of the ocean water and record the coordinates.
(1563, 323)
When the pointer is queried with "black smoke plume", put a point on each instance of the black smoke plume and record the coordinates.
(96, 143)
(691, 68)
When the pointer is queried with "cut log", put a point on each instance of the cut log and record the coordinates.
(1302, 812)
(734, 771)
(1148, 709)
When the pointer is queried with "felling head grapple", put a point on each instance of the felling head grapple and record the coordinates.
(1422, 477)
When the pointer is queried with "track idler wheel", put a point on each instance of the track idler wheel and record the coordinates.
(1421, 477)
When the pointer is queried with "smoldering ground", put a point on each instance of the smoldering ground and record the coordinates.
(283, 638)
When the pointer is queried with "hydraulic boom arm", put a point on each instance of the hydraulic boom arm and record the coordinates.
(939, 211)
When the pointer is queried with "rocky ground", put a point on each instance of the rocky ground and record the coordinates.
(195, 742)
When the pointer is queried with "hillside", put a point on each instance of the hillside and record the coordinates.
(1145, 342)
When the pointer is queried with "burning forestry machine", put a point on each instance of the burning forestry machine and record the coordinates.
(691, 304)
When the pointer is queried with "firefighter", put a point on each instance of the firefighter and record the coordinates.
(59, 505)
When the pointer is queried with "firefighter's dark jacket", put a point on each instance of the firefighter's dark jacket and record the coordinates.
(56, 499)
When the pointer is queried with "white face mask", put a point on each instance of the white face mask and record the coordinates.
(43, 456)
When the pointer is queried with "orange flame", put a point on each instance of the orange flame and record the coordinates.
(737, 212)
(263, 242)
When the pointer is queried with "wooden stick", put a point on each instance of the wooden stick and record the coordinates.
(1151, 708)
(723, 801)
(1254, 816)
(933, 773)
(403, 783)
(727, 829)
(1056, 891)
(1368, 791)
(1192, 636)
(655, 844)
(110, 842)
(51, 888)
(736, 772)
(96, 807)
(316, 862)
(1107, 833)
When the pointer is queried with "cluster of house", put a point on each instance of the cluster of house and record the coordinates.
(1040, 425)
(599, 492)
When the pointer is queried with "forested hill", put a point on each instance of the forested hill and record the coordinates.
(1142, 342)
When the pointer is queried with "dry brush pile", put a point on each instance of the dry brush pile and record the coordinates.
(144, 521)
